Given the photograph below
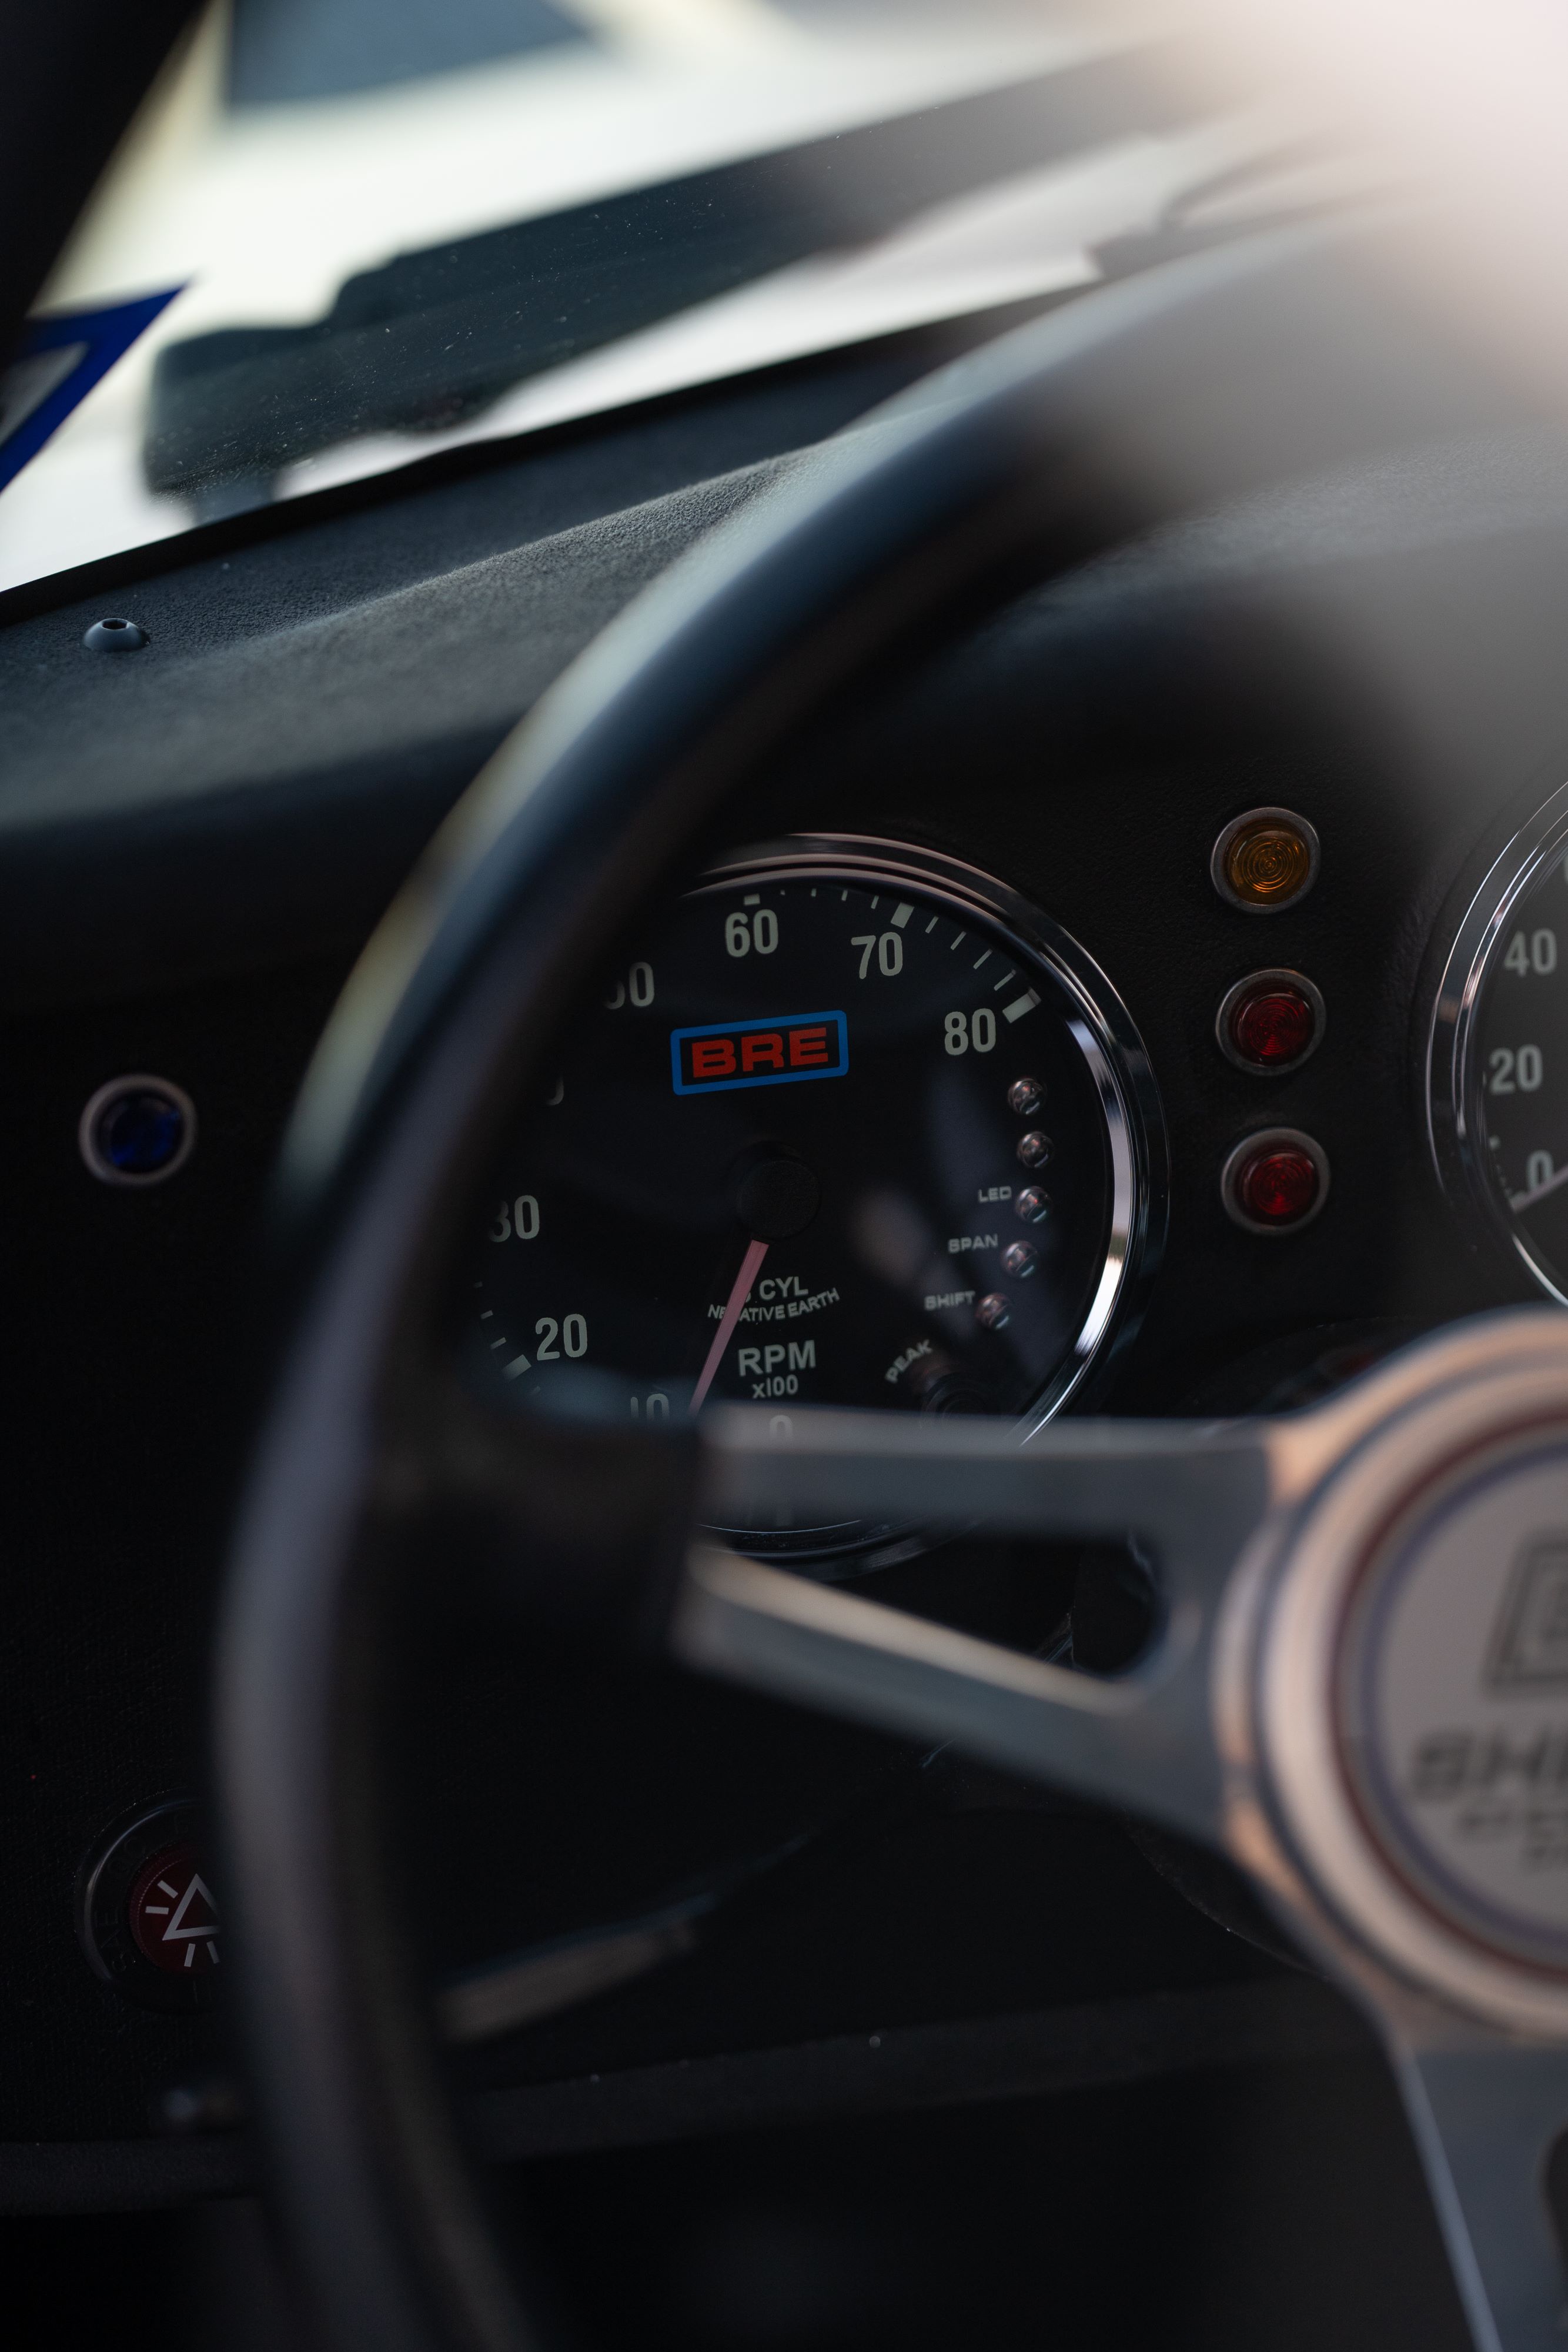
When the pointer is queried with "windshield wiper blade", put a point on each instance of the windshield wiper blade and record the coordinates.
(432, 339)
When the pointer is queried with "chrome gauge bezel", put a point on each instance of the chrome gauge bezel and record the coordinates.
(1456, 1113)
(1102, 1025)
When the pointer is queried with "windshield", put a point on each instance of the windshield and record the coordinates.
(343, 237)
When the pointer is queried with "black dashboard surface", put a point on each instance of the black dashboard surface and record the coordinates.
(195, 841)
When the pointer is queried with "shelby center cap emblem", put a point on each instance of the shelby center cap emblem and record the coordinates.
(1454, 1704)
(1530, 1651)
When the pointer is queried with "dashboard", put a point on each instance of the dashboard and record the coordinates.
(1154, 1003)
(967, 1210)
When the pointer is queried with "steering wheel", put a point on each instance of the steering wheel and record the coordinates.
(1359, 1687)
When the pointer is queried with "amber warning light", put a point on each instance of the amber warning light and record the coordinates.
(777, 1053)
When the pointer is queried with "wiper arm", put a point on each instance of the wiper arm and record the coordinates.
(432, 339)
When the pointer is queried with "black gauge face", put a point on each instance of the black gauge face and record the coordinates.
(826, 1138)
(1517, 1078)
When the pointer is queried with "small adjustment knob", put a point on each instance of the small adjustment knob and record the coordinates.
(115, 636)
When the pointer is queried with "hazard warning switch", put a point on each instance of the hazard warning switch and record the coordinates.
(173, 1918)
(146, 1915)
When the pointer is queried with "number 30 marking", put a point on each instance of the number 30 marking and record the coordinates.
(518, 1222)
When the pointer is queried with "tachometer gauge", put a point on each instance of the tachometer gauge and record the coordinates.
(1498, 1070)
(851, 1125)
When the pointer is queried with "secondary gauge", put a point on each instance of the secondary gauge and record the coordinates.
(849, 1124)
(1498, 1068)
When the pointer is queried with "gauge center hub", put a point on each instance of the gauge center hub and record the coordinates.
(776, 1197)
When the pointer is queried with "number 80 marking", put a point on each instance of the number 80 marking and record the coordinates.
(962, 1032)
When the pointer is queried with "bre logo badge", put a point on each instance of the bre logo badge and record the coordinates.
(728, 1054)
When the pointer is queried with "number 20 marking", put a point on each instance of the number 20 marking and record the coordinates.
(573, 1330)
(1515, 1071)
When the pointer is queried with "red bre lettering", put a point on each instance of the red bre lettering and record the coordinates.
(808, 1047)
(745, 1055)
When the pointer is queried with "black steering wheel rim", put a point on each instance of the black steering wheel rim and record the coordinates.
(1204, 380)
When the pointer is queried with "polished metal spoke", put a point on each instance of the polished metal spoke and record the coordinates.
(1486, 2113)
(597, 1520)
(1192, 1498)
(579, 1524)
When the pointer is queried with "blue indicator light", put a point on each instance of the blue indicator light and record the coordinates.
(141, 1133)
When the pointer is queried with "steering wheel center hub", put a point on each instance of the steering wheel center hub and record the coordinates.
(1453, 1701)
(1412, 1682)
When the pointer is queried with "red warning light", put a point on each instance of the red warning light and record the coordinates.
(1272, 1027)
(1276, 1181)
(1270, 1022)
(1277, 1188)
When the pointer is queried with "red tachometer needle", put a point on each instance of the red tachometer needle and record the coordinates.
(750, 1267)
